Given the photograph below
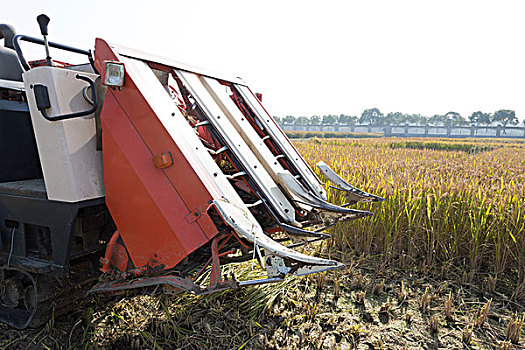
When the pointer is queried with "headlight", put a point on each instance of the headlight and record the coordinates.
(114, 74)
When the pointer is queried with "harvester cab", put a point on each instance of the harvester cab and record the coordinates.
(136, 171)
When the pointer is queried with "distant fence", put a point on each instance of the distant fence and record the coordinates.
(418, 130)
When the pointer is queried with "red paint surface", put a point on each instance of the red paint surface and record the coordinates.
(195, 190)
(148, 211)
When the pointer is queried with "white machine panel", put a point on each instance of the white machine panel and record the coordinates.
(71, 164)
(278, 136)
(248, 133)
(239, 147)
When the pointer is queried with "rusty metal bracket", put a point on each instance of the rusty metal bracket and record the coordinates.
(182, 284)
(215, 276)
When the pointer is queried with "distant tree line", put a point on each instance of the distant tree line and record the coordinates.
(374, 117)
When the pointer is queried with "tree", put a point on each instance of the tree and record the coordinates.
(505, 116)
(344, 119)
(424, 120)
(410, 119)
(301, 121)
(289, 119)
(315, 120)
(413, 119)
(371, 116)
(278, 119)
(329, 119)
(474, 118)
(394, 118)
(455, 119)
(437, 119)
(480, 118)
(485, 119)
(419, 119)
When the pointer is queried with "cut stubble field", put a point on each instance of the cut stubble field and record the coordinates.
(440, 264)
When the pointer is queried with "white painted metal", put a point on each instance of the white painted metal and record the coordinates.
(332, 176)
(132, 53)
(261, 281)
(253, 140)
(278, 136)
(352, 193)
(71, 164)
(239, 147)
(11, 84)
(275, 266)
(246, 226)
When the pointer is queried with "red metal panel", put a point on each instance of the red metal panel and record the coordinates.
(187, 183)
(120, 258)
(148, 211)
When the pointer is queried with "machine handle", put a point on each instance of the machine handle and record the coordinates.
(76, 114)
(25, 65)
(43, 21)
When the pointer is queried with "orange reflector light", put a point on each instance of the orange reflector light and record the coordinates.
(163, 160)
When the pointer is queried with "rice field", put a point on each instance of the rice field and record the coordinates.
(450, 205)
(441, 264)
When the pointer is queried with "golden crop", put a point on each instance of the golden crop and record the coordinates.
(449, 204)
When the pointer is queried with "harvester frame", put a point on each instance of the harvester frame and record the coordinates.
(153, 169)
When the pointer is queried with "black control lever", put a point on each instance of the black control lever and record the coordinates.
(43, 21)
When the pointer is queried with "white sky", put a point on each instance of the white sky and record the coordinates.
(319, 57)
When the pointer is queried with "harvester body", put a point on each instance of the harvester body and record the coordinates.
(151, 171)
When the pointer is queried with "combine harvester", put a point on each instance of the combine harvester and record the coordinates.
(134, 171)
